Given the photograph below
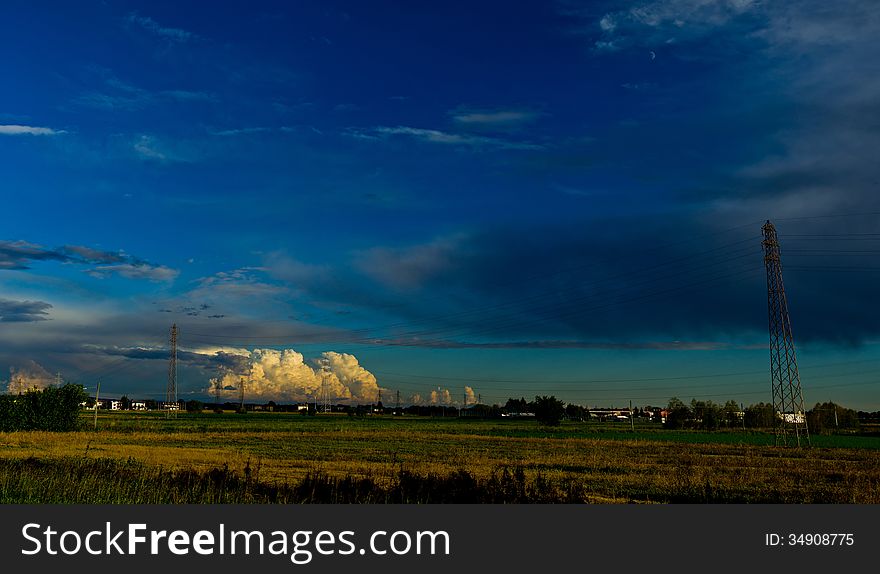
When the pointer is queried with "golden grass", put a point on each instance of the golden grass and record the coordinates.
(612, 470)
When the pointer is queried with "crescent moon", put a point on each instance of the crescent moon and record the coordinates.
(653, 55)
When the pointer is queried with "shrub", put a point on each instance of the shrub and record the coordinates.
(50, 409)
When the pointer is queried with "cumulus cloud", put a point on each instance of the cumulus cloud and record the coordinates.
(270, 374)
(23, 311)
(15, 130)
(31, 375)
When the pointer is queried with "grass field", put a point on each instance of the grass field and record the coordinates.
(266, 457)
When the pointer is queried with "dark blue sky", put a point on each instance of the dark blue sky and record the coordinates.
(521, 198)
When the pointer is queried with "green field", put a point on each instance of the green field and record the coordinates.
(279, 457)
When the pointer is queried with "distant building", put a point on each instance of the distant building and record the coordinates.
(796, 418)
(138, 405)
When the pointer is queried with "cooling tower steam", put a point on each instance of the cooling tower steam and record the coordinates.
(32, 375)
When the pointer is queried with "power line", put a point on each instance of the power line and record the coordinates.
(616, 380)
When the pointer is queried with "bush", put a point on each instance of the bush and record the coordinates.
(50, 409)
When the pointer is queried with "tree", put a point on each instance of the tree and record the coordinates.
(549, 410)
(194, 406)
(678, 415)
(515, 406)
(761, 415)
(731, 416)
(125, 403)
(706, 414)
(575, 412)
(829, 417)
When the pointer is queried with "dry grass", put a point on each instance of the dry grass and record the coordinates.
(581, 467)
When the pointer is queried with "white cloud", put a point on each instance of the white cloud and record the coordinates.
(15, 130)
(286, 375)
(152, 149)
(663, 21)
(146, 147)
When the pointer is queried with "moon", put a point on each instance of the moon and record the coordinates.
(653, 55)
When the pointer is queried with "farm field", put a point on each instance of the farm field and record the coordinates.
(273, 457)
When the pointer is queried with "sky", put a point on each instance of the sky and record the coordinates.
(453, 201)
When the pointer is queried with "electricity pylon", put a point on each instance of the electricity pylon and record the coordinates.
(788, 398)
(171, 390)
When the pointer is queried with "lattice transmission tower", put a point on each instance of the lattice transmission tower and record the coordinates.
(788, 398)
(326, 394)
(171, 405)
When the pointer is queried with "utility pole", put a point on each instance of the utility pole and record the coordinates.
(398, 401)
(785, 382)
(241, 395)
(97, 393)
(632, 424)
